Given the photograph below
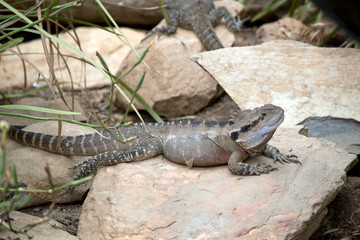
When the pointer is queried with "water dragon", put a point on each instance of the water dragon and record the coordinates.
(200, 16)
(198, 143)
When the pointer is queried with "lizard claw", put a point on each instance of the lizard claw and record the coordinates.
(273, 152)
(282, 158)
(239, 22)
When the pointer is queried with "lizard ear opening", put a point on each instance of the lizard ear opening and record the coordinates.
(238, 114)
(235, 114)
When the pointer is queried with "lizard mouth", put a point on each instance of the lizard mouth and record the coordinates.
(253, 137)
(272, 119)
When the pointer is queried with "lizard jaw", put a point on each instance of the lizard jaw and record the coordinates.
(254, 132)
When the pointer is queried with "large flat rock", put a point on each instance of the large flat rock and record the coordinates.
(303, 79)
(158, 199)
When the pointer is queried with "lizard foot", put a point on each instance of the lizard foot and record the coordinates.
(283, 158)
(275, 154)
(68, 190)
(261, 168)
(239, 23)
(79, 164)
(246, 169)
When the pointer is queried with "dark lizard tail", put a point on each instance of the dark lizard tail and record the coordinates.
(81, 145)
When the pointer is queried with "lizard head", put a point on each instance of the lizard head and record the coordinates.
(252, 129)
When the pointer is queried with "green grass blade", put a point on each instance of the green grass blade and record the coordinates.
(15, 176)
(294, 5)
(11, 43)
(23, 202)
(153, 114)
(38, 109)
(271, 6)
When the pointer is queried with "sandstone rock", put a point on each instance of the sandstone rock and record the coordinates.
(160, 199)
(303, 79)
(125, 12)
(92, 40)
(283, 29)
(292, 29)
(43, 231)
(30, 163)
(233, 6)
(174, 85)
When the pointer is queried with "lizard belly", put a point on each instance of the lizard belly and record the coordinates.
(194, 151)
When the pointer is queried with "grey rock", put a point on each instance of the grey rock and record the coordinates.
(343, 132)
(304, 80)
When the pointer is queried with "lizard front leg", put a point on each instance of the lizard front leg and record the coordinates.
(168, 29)
(274, 153)
(146, 149)
(216, 15)
(236, 166)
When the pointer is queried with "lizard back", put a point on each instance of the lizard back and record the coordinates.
(93, 143)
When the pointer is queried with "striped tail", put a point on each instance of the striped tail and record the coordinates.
(80, 145)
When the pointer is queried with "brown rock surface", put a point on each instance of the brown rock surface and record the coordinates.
(92, 40)
(304, 80)
(283, 29)
(292, 29)
(40, 102)
(160, 199)
(44, 231)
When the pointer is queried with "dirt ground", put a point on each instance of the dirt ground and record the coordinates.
(343, 218)
(341, 222)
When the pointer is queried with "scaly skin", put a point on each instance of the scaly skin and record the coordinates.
(200, 16)
(198, 143)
